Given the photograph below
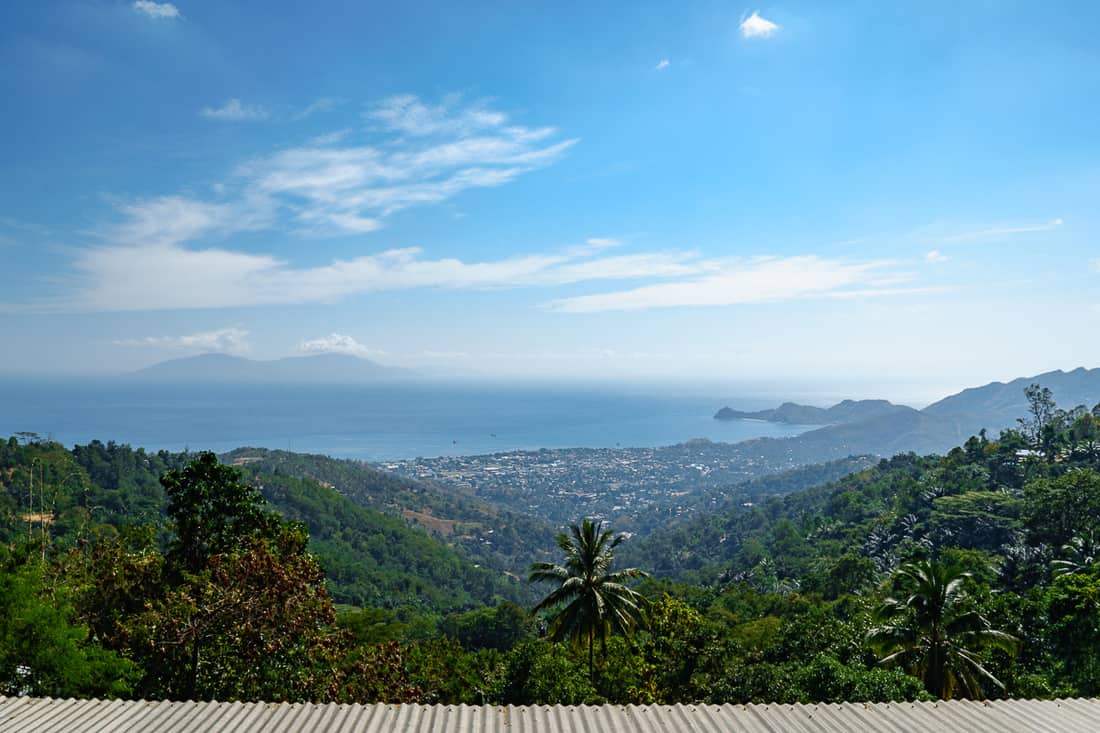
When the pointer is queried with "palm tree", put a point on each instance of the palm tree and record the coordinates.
(932, 637)
(1081, 552)
(591, 602)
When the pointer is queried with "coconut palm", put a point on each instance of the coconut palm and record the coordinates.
(1080, 553)
(932, 637)
(590, 602)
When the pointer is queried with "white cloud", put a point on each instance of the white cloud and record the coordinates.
(407, 114)
(225, 340)
(758, 280)
(755, 26)
(593, 245)
(1002, 231)
(661, 65)
(351, 188)
(935, 257)
(337, 343)
(166, 221)
(331, 187)
(157, 10)
(235, 111)
(324, 104)
(170, 276)
(331, 138)
(148, 266)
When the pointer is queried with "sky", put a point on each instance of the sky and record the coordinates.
(857, 192)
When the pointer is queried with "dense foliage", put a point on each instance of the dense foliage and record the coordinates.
(973, 574)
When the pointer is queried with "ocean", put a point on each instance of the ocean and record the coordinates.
(373, 422)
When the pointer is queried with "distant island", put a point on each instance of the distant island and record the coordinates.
(336, 368)
(794, 414)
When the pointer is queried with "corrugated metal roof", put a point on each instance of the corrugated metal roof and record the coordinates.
(44, 715)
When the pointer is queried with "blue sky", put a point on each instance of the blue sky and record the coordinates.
(826, 191)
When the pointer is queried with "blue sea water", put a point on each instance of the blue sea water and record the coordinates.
(372, 422)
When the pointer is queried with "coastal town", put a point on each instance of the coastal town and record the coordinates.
(635, 488)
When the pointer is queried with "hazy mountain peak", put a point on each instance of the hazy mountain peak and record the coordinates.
(215, 367)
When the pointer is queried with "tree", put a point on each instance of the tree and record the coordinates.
(213, 511)
(237, 611)
(255, 625)
(44, 650)
(1057, 510)
(499, 628)
(1043, 425)
(1079, 554)
(1074, 633)
(933, 636)
(590, 601)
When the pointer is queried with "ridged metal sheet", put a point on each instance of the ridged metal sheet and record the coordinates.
(45, 715)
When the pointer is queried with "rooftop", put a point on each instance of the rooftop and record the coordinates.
(44, 715)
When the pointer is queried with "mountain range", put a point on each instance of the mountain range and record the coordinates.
(339, 368)
(883, 428)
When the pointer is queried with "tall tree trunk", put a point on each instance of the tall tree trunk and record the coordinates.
(193, 682)
(591, 667)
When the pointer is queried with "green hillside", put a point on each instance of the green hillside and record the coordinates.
(483, 533)
(370, 558)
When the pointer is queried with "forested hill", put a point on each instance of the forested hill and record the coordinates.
(1029, 491)
(370, 558)
(491, 536)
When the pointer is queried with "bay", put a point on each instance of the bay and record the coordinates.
(383, 421)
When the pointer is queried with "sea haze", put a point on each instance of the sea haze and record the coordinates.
(382, 421)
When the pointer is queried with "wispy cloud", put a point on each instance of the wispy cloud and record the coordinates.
(168, 220)
(1004, 230)
(235, 111)
(444, 150)
(14, 232)
(23, 226)
(661, 65)
(408, 114)
(331, 138)
(172, 277)
(758, 280)
(324, 104)
(334, 186)
(756, 26)
(337, 343)
(166, 11)
(935, 257)
(593, 245)
(225, 340)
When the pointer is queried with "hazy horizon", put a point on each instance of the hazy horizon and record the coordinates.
(759, 393)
